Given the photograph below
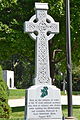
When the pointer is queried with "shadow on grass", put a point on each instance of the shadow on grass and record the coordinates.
(17, 114)
(18, 109)
(76, 111)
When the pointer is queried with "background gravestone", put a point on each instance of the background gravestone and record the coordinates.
(9, 78)
(43, 101)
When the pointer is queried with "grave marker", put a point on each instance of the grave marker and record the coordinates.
(42, 100)
(9, 78)
(42, 28)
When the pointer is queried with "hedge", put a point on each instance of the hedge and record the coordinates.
(4, 107)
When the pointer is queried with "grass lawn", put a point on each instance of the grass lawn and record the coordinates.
(18, 113)
(20, 93)
(16, 93)
(76, 111)
(73, 92)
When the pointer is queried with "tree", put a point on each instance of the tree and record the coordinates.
(15, 45)
(4, 107)
(57, 11)
(14, 42)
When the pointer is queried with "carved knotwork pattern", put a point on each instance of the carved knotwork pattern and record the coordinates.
(53, 27)
(42, 26)
(30, 27)
(41, 14)
(42, 60)
(39, 27)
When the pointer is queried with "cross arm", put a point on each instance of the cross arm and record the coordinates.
(54, 27)
(29, 27)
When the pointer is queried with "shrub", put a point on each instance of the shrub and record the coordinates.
(4, 107)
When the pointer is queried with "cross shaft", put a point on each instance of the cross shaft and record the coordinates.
(42, 28)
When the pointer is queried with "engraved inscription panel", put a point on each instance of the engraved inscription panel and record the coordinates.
(44, 102)
(44, 108)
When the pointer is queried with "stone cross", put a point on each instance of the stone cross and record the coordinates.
(42, 27)
(64, 84)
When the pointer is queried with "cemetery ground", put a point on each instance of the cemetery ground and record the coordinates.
(16, 93)
(20, 93)
(18, 112)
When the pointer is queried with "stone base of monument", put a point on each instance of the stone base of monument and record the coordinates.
(43, 102)
(13, 88)
(71, 118)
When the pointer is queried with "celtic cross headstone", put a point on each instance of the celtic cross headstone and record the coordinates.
(42, 28)
(43, 99)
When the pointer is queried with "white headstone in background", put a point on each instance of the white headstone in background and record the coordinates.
(43, 101)
(9, 78)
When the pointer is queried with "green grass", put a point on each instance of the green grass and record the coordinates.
(18, 113)
(16, 93)
(20, 93)
(74, 93)
(76, 111)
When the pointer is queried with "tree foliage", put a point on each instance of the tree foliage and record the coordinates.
(17, 47)
(4, 107)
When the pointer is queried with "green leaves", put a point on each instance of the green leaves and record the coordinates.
(4, 107)
(13, 41)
